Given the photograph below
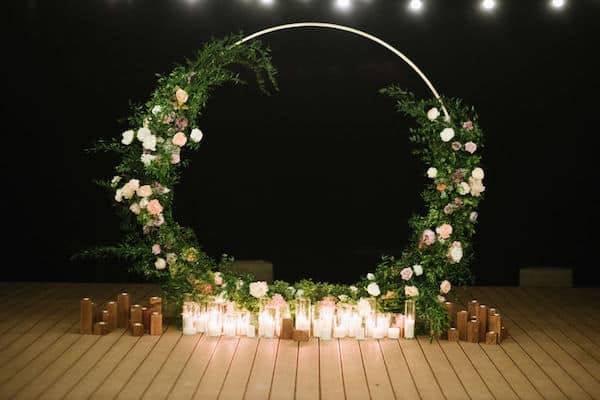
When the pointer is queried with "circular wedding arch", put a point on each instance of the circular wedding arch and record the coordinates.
(439, 251)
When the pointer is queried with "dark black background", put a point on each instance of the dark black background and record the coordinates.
(317, 178)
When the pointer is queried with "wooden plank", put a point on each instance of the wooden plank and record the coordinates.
(332, 381)
(471, 379)
(147, 371)
(284, 375)
(210, 384)
(445, 375)
(170, 371)
(195, 369)
(425, 380)
(355, 379)
(400, 375)
(259, 383)
(27, 300)
(491, 376)
(308, 373)
(378, 379)
(235, 383)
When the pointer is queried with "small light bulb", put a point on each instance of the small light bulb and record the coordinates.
(558, 3)
(267, 3)
(344, 5)
(415, 5)
(488, 5)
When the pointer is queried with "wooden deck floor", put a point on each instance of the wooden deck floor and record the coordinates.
(553, 352)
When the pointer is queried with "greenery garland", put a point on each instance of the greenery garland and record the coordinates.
(165, 129)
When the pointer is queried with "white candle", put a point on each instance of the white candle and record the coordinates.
(214, 328)
(339, 332)
(201, 321)
(409, 328)
(394, 333)
(250, 331)
(266, 325)
(379, 332)
(326, 328)
(359, 333)
(229, 328)
(302, 323)
(317, 328)
(188, 324)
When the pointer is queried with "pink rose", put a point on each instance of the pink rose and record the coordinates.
(444, 231)
(179, 139)
(154, 207)
(470, 147)
(468, 125)
(134, 184)
(181, 96)
(144, 191)
(207, 288)
(169, 118)
(159, 221)
(175, 158)
(456, 146)
(445, 287)
(458, 202)
(156, 249)
(406, 273)
(278, 301)
(449, 209)
(428, 237)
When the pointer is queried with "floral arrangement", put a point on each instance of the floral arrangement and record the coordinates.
(165, 131)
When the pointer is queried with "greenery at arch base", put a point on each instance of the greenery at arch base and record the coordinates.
(164, 133)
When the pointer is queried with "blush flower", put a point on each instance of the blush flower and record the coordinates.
(156, 249)
(456, 146)
(181, 96)
(154, 207)
(373, 289)
(433, 113)
(473, 216)
(428, 237)
(259, 289)
(181, 123)
(470, 147)
(160, 263)
(411, 291)
(447, 134)
(444, 231)
(455, 252)
(418, 269)
(445, 287)
(432, 172)
(406, 273)
(179, 139)
(144, 191)
(468, 125)
(196, 135)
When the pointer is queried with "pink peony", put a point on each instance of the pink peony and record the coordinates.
(181, 96)
(470, 147)
(428, 237)
(456, 146)
(154, 207)
(156, 249)
(444, 231)
(406, 273)
(175, 158)
(468, 125)
(179, 139)
(181, 123)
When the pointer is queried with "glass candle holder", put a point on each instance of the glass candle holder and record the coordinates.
(367, 306)
(409, 319)
(230, 323)
(303, 314)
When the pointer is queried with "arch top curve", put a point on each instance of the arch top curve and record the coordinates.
(354, 31)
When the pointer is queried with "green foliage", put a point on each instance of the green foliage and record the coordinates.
(158, 247)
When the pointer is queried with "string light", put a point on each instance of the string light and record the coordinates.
(415, 5)
(488, 5)
(267, 3)
(343, 5)
(557, 3)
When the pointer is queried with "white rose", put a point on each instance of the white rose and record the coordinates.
(418, 269)
(196, 135)
(433, 113)
(116, 179)
(477, 173)
(373, 289)
(147, 159)
(259, 289)
(171, 258)
(127, 137)
(156, 110)
(447, 134)
(463, 188)
(473, 216)
(455, 252)
(218, 278)
(119, 195)
(128, 191)
(135, 208)
(411, 291)
(353, 289)
(144, 203)
(142, 133)
(299, 293)
(476, 187)
(445, 287)
(343, 298)
(144, 191)
(370, 276)
(160, 263)
(432, 172)
(441, 298)
(149, 142)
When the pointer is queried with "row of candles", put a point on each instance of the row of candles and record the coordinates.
(325, 320)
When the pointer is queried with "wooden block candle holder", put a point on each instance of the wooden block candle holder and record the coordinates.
(156, 324)
(496, 325)
(287, 329)
(112, 309)
(451, 310)
(473, 308)
(100, 328)
(453, 335)
(156, 304)
(123, 306)
(300, 335)
(135, 314)
(491, 338)
(491, 311)
(482, 318)
(137, 329)
(503, 334)
(146, 318)
(107, 321)
(473, 331)
(461, 324)
(86, 316)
